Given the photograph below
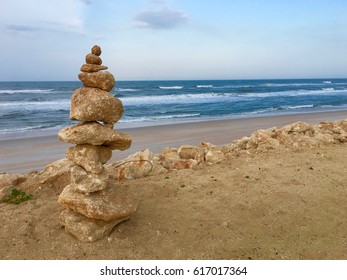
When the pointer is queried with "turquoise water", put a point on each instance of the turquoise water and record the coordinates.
(26, 106)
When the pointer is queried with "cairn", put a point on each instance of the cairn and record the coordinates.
(93, 205)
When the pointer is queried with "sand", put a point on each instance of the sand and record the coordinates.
(288, 203)
(33, 151)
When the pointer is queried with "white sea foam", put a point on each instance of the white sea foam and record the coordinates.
(326, 82)
(289, 107)
(173, 87)
(204, 86)
(14, 91)
(126, 89)
(158, 118)
(62, 104)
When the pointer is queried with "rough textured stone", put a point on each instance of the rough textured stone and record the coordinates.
(90, 68)
(96, 50)
(214, 156)
(191, 152)
(259, 136)
(298, 127)
(170, 154)
(103, 80)
(107, 205)
(89, 157)
(87, 182)
(95, 134)
(93, 59)
(86, 229)
(93, 104)
(177, 164)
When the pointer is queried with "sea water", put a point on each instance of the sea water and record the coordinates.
(30, 106)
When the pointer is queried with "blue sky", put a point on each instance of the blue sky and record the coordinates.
(174, 39)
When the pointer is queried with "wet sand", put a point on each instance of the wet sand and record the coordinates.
(33, 151)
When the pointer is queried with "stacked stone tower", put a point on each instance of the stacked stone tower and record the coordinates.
(93, 205)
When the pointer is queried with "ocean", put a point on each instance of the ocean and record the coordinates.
(32, 106)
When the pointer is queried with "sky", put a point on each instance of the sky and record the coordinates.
(47, 40)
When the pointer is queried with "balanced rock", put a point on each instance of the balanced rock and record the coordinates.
(86, 229)
(93, 59)
(89, 157)
(95, 134)
(107, 205)
(93, 104)
(103, 80)
(96, 50)
(86, 182)
(92, 68)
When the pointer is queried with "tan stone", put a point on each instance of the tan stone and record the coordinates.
(56, 173)
(107, 205)
(95, 134)
(191, 152)
(8, 181)
(93, 59)
(87, 182)
(170, 154)
(93, 104)
(214, 156)
(89, 68)
(259, 136)
(86, 229)
(89, 157)
(177, 164)
(102, 80)
(96, 50)
(268, 144)
(283, 137)
(298, 127)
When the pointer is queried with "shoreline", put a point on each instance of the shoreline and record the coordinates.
(28, 152)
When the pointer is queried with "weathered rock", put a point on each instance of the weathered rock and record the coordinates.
(138, 165)
(170, 154)
(93, 104)
(177, 164)
(103, 80)
(95, 134)
(93, 59)
(259, 136)
(343, 124)
(57, 173)
(191, 152)
(283, 137)
(242, 143)
(107, 205)
(96, 50)
(268, 144)
(90, 68)
(89, 157)
(207, 146)
(298, 127)
(86, 229)
(214, 156)
(87, 182)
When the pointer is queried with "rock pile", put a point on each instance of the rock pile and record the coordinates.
(93, 205)
(295, 135)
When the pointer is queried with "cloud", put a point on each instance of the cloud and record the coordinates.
(160, 19)
(39, 15)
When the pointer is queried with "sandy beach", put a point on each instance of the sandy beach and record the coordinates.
(283, 203)
(31, 152)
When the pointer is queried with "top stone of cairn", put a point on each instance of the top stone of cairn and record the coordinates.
(96, 50)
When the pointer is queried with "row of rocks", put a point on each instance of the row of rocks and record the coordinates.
(299, 134)
(93, 205)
